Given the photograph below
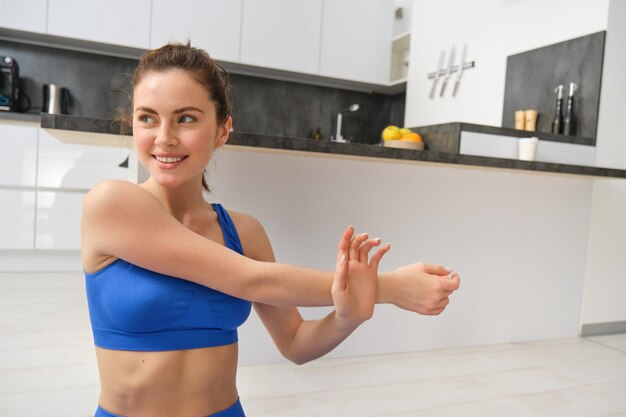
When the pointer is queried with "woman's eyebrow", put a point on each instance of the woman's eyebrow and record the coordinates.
(188, 108)
(145, 109)
(177, 111)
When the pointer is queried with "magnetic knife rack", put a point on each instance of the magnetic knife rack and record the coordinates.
(444, 71)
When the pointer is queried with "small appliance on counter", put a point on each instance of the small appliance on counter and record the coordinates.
(9, 84)
(56, 100)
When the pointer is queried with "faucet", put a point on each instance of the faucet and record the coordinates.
(349, 109)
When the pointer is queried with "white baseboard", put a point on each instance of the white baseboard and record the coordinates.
(597, 329)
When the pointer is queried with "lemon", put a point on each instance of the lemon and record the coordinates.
(404, 131)
(391, 133)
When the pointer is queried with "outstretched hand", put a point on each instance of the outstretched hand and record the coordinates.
(422, 288)
(354, 284)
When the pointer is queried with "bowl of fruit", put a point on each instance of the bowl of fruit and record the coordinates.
(403, 138)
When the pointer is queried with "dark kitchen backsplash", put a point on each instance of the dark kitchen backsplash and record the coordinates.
(96, 82)
(100, 84)
(532, 76)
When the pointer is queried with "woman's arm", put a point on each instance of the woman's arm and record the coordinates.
(122, 220)
(353, 292)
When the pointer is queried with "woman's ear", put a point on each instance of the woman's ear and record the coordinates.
(223, 131)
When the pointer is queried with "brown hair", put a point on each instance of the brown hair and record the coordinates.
(199, 65)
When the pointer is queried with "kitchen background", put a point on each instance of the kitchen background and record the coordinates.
(540, 253)
(470, 218)
(100, 84)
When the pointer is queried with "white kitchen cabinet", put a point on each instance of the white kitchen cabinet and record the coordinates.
(213, 25)
(282, 34)
(28, 15)
(67, 165)
(19, 141)
(356, 40)
(17, 221)
(400, 48)
(118, 22)
(65, 173)
(58, 220)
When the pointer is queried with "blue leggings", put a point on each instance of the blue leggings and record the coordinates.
(234, 410)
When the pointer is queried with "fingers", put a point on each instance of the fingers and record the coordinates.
(344, 242)
(355, 246)
(341, 268)
(437, 308)
(340, 280)
(435, 312)
(366, 247)
(378, 255)
(437, 269)
(450, 282)
(360, 248)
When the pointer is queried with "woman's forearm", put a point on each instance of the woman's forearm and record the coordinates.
(420, 288)
(315, 338)
(289, 285)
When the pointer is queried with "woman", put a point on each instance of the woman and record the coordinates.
(171, 277)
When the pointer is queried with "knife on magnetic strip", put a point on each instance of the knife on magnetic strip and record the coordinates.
(459, 73)
(448, 72)
(442, 58)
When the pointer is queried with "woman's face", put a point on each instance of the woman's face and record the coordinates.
(175, 127)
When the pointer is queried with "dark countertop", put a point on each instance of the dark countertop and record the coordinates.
(20, 117)
(91, 125)
(446, 137)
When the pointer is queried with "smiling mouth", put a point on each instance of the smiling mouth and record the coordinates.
(169, 159)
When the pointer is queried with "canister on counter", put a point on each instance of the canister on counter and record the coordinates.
(530, 123)
(520, 119)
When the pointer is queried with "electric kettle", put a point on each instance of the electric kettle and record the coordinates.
(56, 100)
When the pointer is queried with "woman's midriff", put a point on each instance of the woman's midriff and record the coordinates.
(194, 382)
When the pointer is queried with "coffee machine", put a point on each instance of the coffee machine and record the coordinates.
(9, 84)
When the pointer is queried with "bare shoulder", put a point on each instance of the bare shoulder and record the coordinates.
(115, 200)
(109, 205)
(110, 192)
(245, 223)
(254, 239)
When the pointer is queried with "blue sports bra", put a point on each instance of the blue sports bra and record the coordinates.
(132, 308)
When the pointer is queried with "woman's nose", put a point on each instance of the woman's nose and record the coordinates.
(166, 137)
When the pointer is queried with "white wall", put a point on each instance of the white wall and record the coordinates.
(611, 144)
(403, 24)
(605, 277)
(518, 240)
(493, 30)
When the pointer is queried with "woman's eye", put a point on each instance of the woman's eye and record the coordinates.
(146, 119)
(186, 119)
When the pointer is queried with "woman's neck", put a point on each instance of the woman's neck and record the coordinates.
(183, 202)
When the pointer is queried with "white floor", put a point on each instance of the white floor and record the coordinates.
(47, 368)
